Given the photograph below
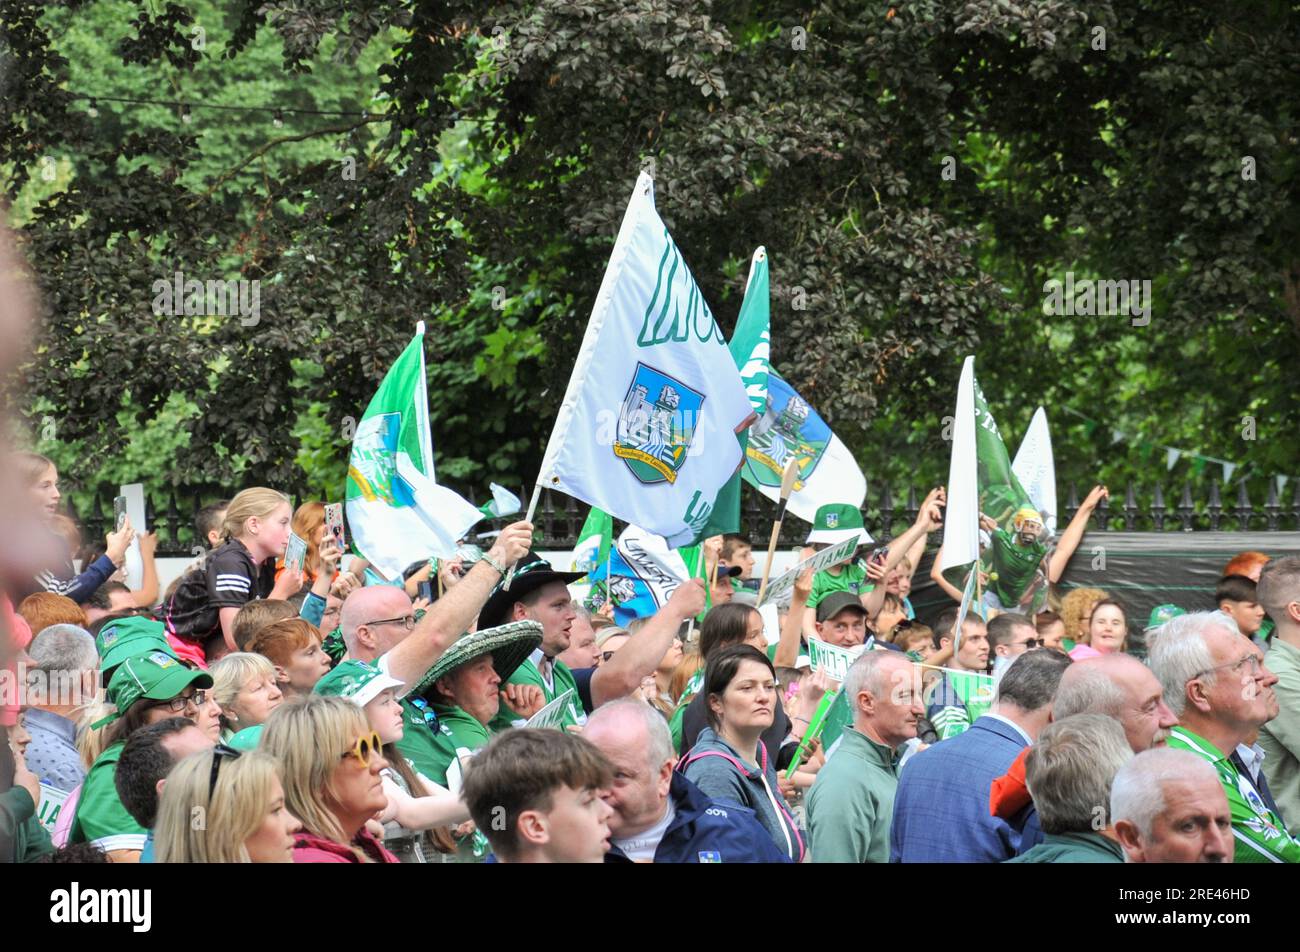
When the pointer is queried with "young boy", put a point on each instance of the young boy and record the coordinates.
(536, 795)
(1235, 596)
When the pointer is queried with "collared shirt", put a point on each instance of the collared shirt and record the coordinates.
(1013, 725)
(1072, 848)
(1260, 835)
(52, 755)
(851, 804)
(1252, 758)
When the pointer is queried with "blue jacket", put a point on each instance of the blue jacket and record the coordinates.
(941, 810)
(707, 832)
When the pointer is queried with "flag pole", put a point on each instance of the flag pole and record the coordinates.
(532, 508)
(699, 564)
(787, 486)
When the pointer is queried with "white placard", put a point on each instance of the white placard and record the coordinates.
(832, 659)
(553, 714)
(822, 560)
(134, 493)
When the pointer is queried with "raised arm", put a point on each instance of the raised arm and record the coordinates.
(928, 519)
(638, 659)
(787, 649)
(451, 615)
(1073, 534)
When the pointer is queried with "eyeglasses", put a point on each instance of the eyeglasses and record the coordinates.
(1032, 643)
(1251, 660)
(219, 752)
(180, 703)
(406, 621)
(366, 745)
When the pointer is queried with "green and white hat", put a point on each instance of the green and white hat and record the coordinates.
(836, 522)
(128, 637)
(358, 681)
(156, 675)
(509, 644)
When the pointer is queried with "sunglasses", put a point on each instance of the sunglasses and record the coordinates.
(1033, 643)
(219, 753)
(366, 745)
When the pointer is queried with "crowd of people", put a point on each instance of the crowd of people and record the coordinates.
(260, 712)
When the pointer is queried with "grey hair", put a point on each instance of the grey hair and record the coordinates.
(580, 609)
(1069, 772)
(1089, 689)
(63, 648)
(1031, 681)
(865, 674)
(659, 742)
(1178, 653)
(1138, 792)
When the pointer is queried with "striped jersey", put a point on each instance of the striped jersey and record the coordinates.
(227, 578)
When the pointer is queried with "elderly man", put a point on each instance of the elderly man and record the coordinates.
(941, 809)
(1122, 687)
(851, 802)
(660, 816)
(1222, 694)
(1070, 769)
(379, 626)
(1167, 806)
(1279, 592)
(539, 593)
(62, 678)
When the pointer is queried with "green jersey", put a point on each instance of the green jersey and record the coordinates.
(1260, 835)
(100, 818)
(561, 681)
(839, 578)
(460, 735)
(419, 743)
(675, 722)
(1014, 565)
(959, 699)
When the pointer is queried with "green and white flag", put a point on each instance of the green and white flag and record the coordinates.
(503, 503)
(961, 518)
(787, 427)
(648, 428)
(594, 541)
(398, 513)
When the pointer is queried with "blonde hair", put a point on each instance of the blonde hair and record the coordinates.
(307, 735)
(691, 662)
(232, 673)
(257, 502)
(233, 812)
(1076, 609)
(91, 741)
(31, 467)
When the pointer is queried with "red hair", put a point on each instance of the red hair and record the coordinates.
(1246, 563)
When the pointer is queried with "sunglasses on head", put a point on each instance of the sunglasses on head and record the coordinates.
(366, 745)
(219, 753)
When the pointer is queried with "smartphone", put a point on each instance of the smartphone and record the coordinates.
(334, 524)
(880, 554)
(119, 513)
(426, 591)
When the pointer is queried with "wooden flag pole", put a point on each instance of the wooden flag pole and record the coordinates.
(532, 508)
(787, 486)
(699, 565)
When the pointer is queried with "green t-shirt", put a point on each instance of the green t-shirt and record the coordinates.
(1014, 566)
(419, 743)
(459, 734)
(561, 681)
(1259, 833)
(675, 722)
(100, 818)
(838, 578)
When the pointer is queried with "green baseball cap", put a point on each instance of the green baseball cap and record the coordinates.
(158, 675)
(509, 644)
(128, 638)
(836, 522)
(1163, 613)
(358, 681)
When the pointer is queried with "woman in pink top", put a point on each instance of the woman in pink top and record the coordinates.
(331, 764)
(1107, 631)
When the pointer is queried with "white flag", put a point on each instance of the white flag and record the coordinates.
(647, 429)
(961, 522)
(1035, 467)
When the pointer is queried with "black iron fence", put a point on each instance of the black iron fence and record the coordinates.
(886, 513)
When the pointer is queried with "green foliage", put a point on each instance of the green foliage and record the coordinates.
(501, 147)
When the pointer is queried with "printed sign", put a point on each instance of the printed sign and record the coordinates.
(824, 559)
(47, 811)
(553, 714)
(832, 659)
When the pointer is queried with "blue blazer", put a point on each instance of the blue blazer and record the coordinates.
(941, 811)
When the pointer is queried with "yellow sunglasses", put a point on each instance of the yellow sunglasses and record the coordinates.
(366, 745)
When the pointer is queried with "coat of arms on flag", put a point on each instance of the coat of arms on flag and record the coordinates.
(656, 425)
(788, 429)
(832, 520)
(373, 466)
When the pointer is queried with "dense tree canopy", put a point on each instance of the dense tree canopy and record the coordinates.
(917, 171)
